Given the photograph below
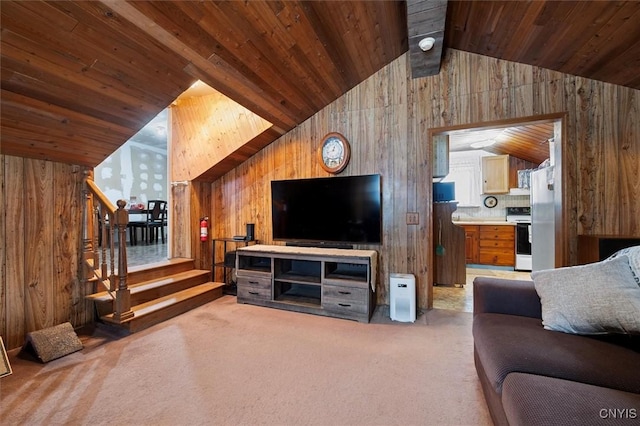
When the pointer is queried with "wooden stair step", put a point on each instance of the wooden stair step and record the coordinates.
(163, 308)
(154, 287)
(138, 274)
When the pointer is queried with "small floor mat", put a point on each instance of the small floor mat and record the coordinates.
(53, 342)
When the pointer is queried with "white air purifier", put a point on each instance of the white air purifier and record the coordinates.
(402, 293)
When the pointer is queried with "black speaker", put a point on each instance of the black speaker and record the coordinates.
(230, 259)
(251, 231)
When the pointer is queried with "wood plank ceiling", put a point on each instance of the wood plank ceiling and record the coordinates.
(594, 39)
(528, 142)
(79, 78)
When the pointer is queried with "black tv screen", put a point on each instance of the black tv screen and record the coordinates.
(339, 209)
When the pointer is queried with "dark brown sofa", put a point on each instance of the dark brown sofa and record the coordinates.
(533, 376)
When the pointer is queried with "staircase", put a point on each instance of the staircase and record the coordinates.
(158, 292)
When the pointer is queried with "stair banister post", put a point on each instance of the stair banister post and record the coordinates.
(123, 295)
(88, 238)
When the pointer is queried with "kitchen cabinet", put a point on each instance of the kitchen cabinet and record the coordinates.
(495, 174)
(490, 245)
(471, 243)
(440, 156)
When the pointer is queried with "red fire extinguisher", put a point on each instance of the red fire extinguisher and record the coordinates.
(204, 229)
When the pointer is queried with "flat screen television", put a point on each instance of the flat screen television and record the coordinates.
(327, 210)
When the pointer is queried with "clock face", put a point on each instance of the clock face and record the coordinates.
(334, 153)
(490, 202)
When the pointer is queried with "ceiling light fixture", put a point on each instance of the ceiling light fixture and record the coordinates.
(426, 43)
(482, 144)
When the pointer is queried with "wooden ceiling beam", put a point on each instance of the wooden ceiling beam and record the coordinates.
(222, 76)
(426, 18)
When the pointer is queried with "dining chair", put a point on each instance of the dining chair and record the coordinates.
(133, 227)
(156, 220)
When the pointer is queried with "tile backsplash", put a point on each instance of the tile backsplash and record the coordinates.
(499, 212)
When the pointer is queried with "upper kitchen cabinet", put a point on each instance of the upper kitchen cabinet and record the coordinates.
(495, 174)
(440, 157)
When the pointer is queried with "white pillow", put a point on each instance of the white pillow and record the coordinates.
(597, 298)
(634, 260)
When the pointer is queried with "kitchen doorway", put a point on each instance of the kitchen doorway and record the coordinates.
(539, 140)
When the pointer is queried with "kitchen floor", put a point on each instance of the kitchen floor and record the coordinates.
(461, 299)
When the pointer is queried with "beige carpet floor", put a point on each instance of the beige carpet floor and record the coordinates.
(231, 364)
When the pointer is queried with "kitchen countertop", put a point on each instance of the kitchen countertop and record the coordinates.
(482, 222)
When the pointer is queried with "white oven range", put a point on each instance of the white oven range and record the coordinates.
(521, 216)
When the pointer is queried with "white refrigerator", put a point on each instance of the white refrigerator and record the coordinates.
(542, 219)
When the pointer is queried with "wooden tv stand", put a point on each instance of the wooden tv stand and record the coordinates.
(332, 282)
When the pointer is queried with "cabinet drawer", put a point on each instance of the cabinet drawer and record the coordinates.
(345, 299)
(504, 244)
(254, 281)
(348, 294)
(254, 288)
(497, 257)
(498, 232)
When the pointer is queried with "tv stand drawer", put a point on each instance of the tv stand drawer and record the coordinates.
(253, 288)
(345, 308)
(344, 294)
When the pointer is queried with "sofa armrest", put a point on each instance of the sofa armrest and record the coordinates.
(504, 296)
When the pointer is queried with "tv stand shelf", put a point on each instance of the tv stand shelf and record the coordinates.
(324, 281)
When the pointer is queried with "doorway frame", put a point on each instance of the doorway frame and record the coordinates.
(561, 196)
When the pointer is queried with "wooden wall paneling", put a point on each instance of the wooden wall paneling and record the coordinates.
(628, 137)
(208, 129)
(262, 189)
(549, 96)
(564, 195)
(15, 322)
(520, 104)
(40, 294)
(67, 213)
(181, 226)
(200, 205)
(567, 156)
(480, 78)
(3, 254)
(591, 172)
(310, 144)
(611, 146)
(215, 227)
(177, 198)
(421, 115)
(405, 169)
(244, 209)
(516, 164)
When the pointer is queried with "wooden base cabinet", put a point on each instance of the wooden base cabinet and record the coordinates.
(490, 245)
(471, 243)
(497, 245)
(332, 282)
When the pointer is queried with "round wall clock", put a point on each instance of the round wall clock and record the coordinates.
(490, 202)
(334, 153)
